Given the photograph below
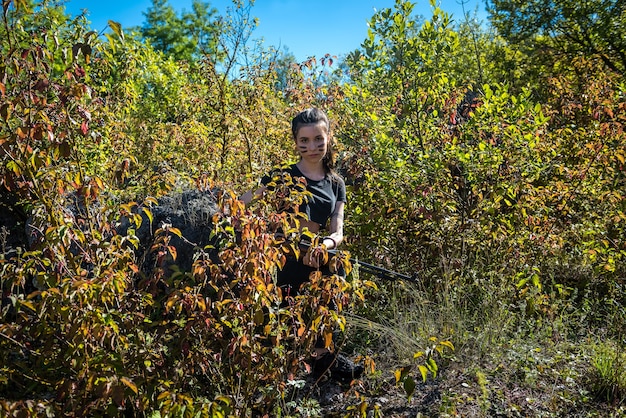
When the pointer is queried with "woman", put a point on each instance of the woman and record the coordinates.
(325, 212)
(325, 207)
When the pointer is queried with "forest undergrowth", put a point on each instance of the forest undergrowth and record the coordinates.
(487, 163)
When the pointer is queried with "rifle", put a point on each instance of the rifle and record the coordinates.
(380, 272)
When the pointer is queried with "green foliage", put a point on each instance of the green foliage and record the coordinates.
(429, 366)
(462, 173)
(588, 28)
(481, 189)
(185, 37)
(200, 119)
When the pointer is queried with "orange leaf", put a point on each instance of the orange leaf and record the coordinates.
(129, 384)
(328, 338)
(172, 251)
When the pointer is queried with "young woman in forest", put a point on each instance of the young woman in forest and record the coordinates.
(325, 212)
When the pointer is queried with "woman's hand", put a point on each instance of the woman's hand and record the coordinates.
(315, 256)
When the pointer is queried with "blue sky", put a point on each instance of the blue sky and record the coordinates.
(306, 27)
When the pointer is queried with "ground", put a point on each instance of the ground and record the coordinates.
(456, 392)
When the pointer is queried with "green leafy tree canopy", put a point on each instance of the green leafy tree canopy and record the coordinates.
(593, 27)
(183, 37)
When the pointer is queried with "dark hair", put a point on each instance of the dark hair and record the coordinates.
(313, 116)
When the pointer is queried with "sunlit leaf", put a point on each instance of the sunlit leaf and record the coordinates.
(129, 383)
(401, 373)
(447, 344)
(148, 213)
(176, 232)
(424, 371)
(116, 28)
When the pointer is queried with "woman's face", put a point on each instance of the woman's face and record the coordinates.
(312, 141)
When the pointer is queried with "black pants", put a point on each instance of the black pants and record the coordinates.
(294, 274)
(291, 278)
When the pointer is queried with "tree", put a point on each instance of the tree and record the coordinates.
(184, 37)
(591, 27)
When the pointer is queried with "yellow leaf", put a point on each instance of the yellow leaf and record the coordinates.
(148, 213)
(129, 384)
(170, 303)
(447, 344)
(363, 409)
(423, 371)
(163, 395)
(28, 304)
(398, 375)
(35, 294)
(117, 28)
(402, 373)
(223, 399)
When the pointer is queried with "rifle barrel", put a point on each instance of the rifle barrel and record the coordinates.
(381, 272)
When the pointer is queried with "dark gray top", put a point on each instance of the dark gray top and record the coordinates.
(325, 193)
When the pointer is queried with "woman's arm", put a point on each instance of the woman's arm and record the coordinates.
(335, 237)
(331, 241)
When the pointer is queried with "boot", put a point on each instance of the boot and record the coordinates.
(337, 366)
